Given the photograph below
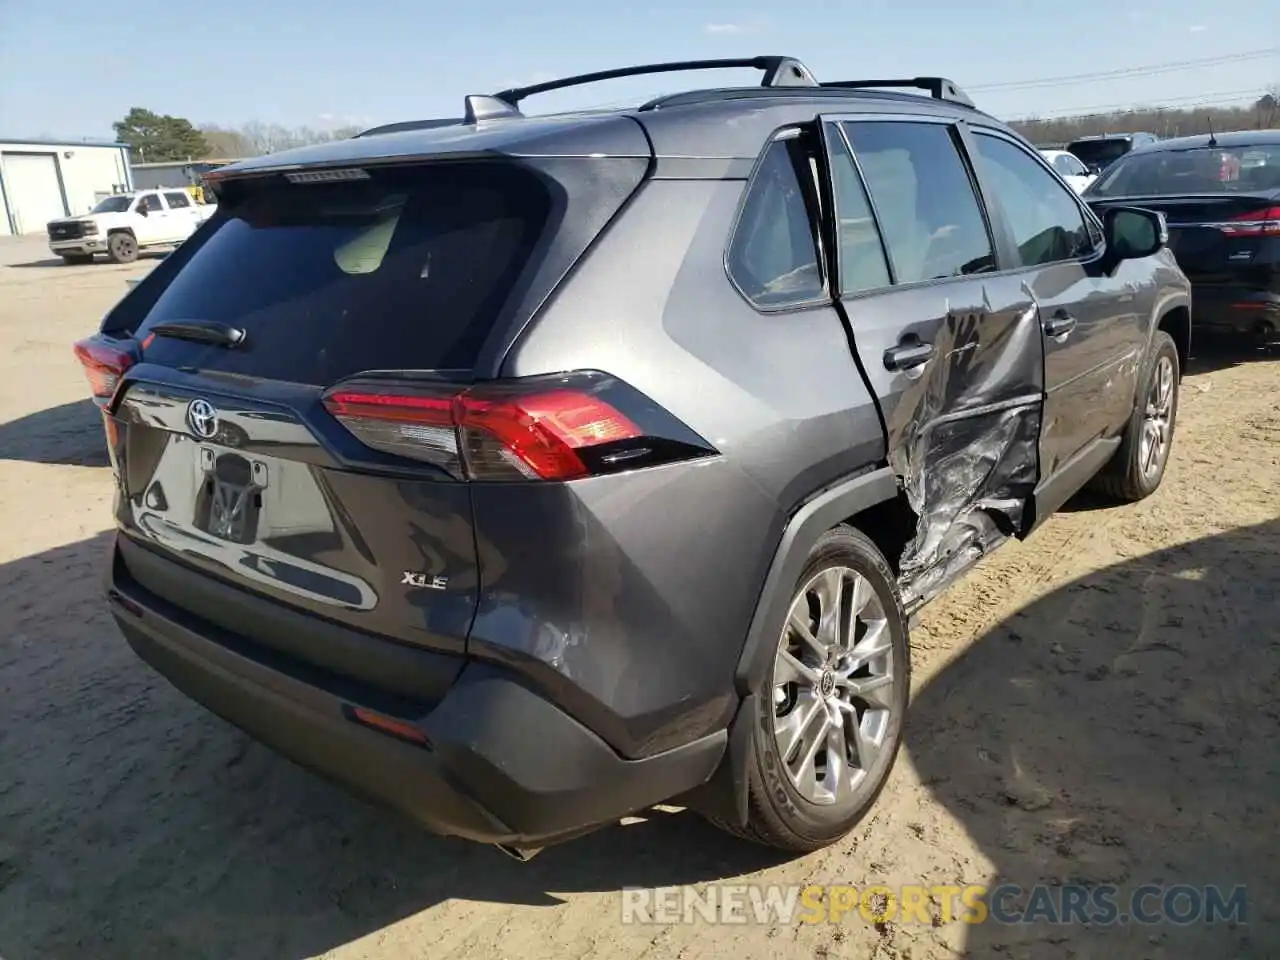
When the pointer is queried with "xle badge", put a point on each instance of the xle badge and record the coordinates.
(423, 580)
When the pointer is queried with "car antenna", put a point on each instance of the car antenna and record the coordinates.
(1213, 140)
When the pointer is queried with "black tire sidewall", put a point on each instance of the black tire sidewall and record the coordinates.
(1162, 345)
(814, 823)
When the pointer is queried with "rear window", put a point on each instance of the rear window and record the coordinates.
(1100, 153)
(1203, 170)
(407, 269)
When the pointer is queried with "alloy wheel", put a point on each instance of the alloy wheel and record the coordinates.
(833, 685)
(1157, 421)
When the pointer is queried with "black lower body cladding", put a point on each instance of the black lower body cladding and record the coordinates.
(500, 763)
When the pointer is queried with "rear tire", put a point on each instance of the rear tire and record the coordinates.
(1138, 467)
(808, 796)
(77, 259)
(122, 247)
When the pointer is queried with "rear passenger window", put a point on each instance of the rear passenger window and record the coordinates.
(924, 199)
(177, 200)
(1048, 225)
(862, 263)
(773, 257)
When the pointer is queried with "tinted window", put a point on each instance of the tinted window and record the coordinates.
(178, 200)
(150, 202)
(1201, 170)
(1047, 223)
(932, 223)
(406, 270)
(111, 205)
(774, 255)
(1100, 153)
(862, 262)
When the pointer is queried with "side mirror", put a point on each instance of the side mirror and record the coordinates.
(1133, 233)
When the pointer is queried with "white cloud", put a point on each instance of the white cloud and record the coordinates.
(1197, 28)
(733, 28)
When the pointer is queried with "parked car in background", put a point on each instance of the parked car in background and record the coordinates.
(1100, 151)
(1221, 197)
(1071, 168)
(121, 225)
(621, 446)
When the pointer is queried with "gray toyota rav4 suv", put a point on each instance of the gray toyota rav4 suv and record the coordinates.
(525, 472)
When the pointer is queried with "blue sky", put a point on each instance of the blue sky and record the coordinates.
(69, 68)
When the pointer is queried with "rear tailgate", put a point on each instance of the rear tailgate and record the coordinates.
(230, 468)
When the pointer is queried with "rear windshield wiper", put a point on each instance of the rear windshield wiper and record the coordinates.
(201, 331)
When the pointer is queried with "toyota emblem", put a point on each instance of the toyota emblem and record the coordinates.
(202, 419)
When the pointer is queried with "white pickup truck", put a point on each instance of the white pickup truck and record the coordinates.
(121, 225)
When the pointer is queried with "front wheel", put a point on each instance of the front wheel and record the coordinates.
(122, 247)
(830, 717)
(1138, 467)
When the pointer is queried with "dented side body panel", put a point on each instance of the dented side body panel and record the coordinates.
(963, 428)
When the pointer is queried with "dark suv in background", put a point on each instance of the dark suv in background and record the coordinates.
(522, 473)
(1101, 150)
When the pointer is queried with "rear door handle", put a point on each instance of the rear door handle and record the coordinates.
(1059, 325)
(908, 354)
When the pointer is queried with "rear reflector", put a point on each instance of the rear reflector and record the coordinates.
(103, 366)
(400, 729)
(559, 428)
(1258, 223)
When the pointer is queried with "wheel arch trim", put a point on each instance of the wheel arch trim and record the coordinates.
(808, 522)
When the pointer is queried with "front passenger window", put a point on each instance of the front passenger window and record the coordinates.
(1048, 225)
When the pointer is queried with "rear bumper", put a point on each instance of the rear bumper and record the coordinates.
(1235, 309)
(503, 765)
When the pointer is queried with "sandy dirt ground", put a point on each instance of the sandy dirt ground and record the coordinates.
(1100, 704)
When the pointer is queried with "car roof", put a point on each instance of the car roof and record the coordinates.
(720, 123)
(1112, 136)
(1232, 138)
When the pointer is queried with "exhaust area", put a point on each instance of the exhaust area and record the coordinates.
(523, 854)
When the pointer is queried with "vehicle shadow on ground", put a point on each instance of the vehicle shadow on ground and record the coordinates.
(1210, 353)
(99, 263)
(70, 434)
(1123, 730)
(134, 824)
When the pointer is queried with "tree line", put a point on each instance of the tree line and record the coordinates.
(155, 137)
(1164, 122)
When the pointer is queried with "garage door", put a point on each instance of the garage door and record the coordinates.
(31, 186)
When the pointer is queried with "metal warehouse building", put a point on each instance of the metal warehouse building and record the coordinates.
(41, 180)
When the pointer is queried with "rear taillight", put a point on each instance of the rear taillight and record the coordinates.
(1257, 223)
(103, 365)
(559, 428)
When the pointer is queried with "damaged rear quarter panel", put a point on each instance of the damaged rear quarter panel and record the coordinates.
(962, 429)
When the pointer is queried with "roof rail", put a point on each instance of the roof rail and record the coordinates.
(409, 125)
(778, 72)
(940, 88)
